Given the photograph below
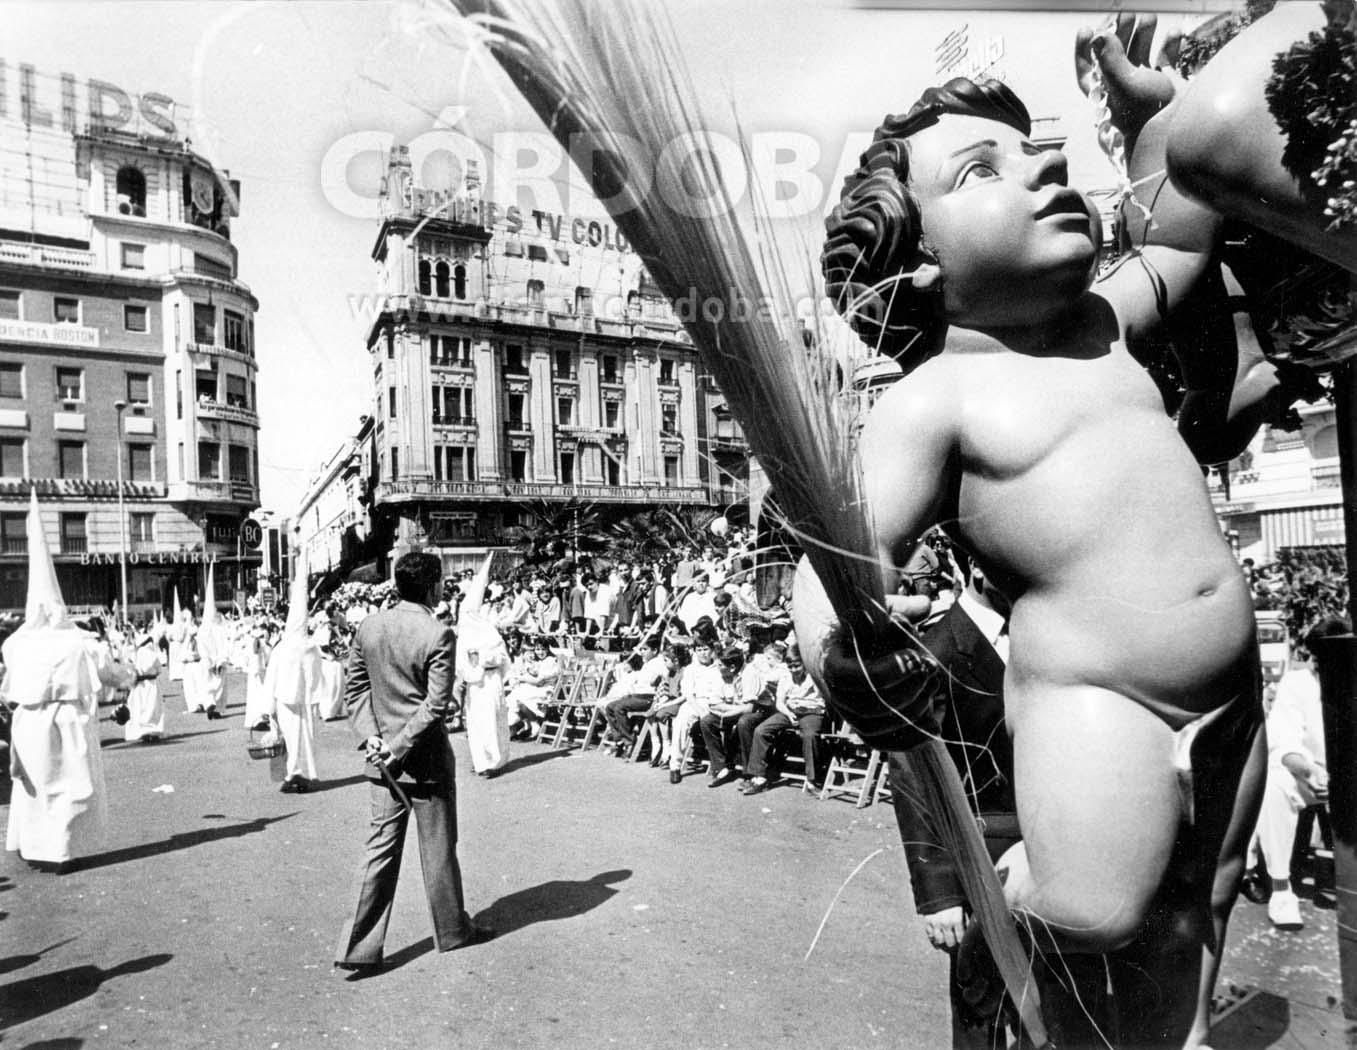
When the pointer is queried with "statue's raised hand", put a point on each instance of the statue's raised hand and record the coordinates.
(1135, 89)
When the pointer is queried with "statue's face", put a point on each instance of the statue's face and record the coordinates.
(1015, 243)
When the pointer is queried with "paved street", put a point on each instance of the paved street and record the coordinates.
(632, 913)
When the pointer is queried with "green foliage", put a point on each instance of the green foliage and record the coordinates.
(1306, 583)
(1201, 45)
(1313, 96)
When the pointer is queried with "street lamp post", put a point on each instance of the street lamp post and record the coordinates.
(119, 406)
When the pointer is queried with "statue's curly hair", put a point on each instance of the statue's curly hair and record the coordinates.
(874, 234)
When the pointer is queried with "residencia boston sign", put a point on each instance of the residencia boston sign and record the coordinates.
(12, 331)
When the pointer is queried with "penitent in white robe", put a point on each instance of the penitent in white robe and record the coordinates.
(58, 807)
(144, 705)
(487, 716)
(258, 704)
(291, 681)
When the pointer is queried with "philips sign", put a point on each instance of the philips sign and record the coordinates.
(40, 100)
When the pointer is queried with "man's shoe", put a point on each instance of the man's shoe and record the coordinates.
(675, 776)
(289, 786)
(478, 935)
(1255, 886)
(753, 787)
(213, 714)
(359, 969)
(723, 777)
(1284, 910)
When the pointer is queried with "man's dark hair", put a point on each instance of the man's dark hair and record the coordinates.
(416, 573)
(1325, 628)
(874, 235)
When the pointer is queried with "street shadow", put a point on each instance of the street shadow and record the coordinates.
(174, 843)
(6, 790)
(550, 901)
(343, 782)
(23, 1000)
(397, 959)
(63, 1043)
(17, 962)
(524, 761)
(117, 743)
(1261, 1022)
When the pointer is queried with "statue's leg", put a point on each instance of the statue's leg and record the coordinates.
(1099, 804)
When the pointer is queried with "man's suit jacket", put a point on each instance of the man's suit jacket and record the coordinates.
(977, 739)
(399, 687)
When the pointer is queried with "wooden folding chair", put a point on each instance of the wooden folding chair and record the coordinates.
(580, 713)
(853, 769)
(554, 708)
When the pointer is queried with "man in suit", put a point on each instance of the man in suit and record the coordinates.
(398, 690)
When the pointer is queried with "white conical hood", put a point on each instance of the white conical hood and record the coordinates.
(297, 595)
(475, 593)
(210, 597)
(45, 604)
(178, 609)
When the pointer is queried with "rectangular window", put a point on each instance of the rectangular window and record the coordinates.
(671, 470)
(11, 379)
(391, 402)
(204, 323)
(11, 457)
(179, 400)
(134, 256)
(135, 318)
(233, 331)
(395, 464)
(536, 293)
(139, 463)
(71, 459)
(518, 465)
(669, 419)
(612, 414)
(9, 305)
(73, 534)
(65, 311)
(13, 533)
(612, 471)
(609, 371)
(562, 365)
(459, 404)
(567, 468)
(461, 464)
(436, 401)
(513, 361)
(565, 411)
(537, 253)
(141, 529)
(438, 463)
(517, 402)
(209, 266)
(209, 460)
(205, 384)
(584, 302)
(238, 457)
(70, 384)
(138, 388)
(666, 370)
(237, 391)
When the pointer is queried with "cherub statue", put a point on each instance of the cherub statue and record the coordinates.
(1026, 428)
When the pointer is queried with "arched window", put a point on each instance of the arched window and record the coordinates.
(131, 190)
(633, 304)
(459, 281)
(424, 288)
(440, 280)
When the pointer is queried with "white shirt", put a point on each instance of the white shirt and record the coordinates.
(991, 625)
(1296, 724)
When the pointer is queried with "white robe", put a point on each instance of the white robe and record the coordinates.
(330, 689)
(143, 699)
(291, 681)
(209, 673)
(258, 704)
(58, 808)
(487, 714)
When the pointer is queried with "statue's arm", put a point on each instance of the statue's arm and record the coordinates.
(1224, 146)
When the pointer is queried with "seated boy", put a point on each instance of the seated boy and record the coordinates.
(1025, 428)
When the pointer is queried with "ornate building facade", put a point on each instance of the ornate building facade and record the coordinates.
(520, 360)
(127, 352)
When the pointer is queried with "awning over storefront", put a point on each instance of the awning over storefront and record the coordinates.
(1302, 527)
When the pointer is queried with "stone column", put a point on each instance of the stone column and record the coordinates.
(542, 414)
(488, 404)
(588, 410)
(414, 404)
(642, 398)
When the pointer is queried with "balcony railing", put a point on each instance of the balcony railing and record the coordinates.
(213, 409)
(226, 491)
(13, 545)
(45, 255)
(74, 545)
(1325, 476)
(213, 350)
(455, 421)
(518, 490)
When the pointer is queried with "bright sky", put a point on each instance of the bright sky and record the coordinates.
(276, 88)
